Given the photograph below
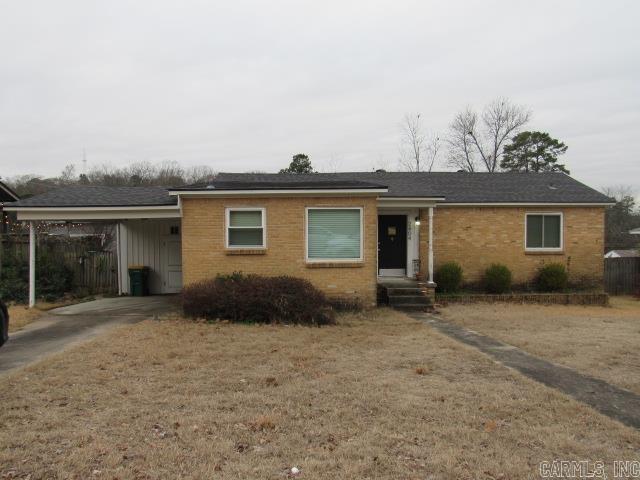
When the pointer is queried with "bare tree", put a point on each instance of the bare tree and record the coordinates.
(462, 154)
(478, 141)
(198, 174)
(620, 218)
(169, 174)
(68, 175)
(331, 165)
(418, 151)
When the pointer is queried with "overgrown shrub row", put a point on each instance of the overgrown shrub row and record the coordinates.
(260, 299)
(53, 279)
(496, 279)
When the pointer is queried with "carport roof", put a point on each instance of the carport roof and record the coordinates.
(99, 196)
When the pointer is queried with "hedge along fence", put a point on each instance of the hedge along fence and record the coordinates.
(601, 299)
(86, 268)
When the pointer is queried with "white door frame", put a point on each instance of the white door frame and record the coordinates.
(413, 238)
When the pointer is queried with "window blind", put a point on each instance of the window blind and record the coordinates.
(333, 234)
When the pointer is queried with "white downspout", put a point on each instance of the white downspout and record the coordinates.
(32, 264)
(430, 244)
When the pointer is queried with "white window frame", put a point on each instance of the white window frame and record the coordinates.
(544, 249)
(332, 260)
(263, 216)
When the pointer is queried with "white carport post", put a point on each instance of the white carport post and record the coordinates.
(119, 258)
(32, 264)
(430, 244)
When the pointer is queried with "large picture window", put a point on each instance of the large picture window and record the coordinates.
(334, 234)
(543, 231)
(245, 228)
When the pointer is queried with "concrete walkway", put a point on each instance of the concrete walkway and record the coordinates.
(617, 403)
(63, 327)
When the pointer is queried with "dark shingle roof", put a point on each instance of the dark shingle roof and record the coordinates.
(456, 187)
(6, 194)
(290, 184)
(98, 196)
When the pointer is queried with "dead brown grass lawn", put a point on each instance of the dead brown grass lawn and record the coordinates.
(21, 315)
(378, 396)
(600, 341)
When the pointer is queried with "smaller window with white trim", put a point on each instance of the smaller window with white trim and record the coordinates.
(245, 228)
(543, 231)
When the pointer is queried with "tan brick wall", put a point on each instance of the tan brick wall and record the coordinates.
(204, 254)
(478, 237)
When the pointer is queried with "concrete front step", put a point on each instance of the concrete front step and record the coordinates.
(414, 307)
(408, 299)
(392, 291)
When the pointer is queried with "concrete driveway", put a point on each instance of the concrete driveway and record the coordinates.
(66, 326)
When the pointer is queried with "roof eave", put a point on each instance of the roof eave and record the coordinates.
(96, 213)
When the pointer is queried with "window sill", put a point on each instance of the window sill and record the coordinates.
(245, 251)
(544, 252)
(335, 264)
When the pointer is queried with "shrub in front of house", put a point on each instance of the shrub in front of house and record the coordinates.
(448, 277)
(257, 299)
(552, 277)
(497, 279)
(53, 278)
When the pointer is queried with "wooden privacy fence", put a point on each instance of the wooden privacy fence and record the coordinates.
(94, 270)
(622, 276)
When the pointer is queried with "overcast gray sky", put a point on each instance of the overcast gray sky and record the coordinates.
(243, 85)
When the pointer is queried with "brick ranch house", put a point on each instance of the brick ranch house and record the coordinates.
(342, 231)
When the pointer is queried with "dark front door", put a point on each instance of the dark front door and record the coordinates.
(392, 244)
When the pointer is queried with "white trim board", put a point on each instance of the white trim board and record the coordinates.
(95, 213)
(413, 240)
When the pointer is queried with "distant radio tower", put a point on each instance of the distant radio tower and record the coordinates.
(84, 162)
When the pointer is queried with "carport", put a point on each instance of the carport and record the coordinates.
(148, 228)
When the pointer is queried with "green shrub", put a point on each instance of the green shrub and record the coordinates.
(497, 279)
(257, 299)
(53, 279)
(448, 277)
(14, 286)
(552, 277)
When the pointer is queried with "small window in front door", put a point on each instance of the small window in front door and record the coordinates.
(392, 242)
